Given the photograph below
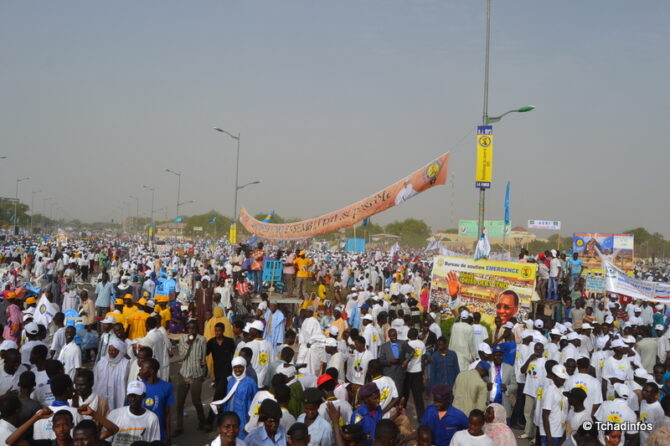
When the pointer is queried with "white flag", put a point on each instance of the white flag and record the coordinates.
(44, 312)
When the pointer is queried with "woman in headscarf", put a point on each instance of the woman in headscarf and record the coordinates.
(240, 393)
(496, 427)
(12, 330)
(218, 316)
(111, 374)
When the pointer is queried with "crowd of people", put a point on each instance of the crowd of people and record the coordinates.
(103, 338)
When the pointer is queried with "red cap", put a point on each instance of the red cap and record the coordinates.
(323, 379)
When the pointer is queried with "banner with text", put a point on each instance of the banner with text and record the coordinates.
(491, 287)
(432, 174)
(494, 228)
(595, 248)
(553, 225)
(617, 281)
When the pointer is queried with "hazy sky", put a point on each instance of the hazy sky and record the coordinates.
(336, 100)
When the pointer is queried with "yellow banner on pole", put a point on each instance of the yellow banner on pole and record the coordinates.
(232, 235)
(484, 172)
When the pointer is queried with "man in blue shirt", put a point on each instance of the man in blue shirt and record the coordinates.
(159, 396)
(443, 419)
(271, 433)
(369, 413)
(576, 267)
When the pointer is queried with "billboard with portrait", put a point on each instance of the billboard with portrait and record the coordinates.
(491, 287)
(593, 248)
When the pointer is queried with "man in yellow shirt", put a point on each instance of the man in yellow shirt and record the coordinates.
(302, 265)
(128, 307)
(117, 314)
(137, 323)
(163, 310)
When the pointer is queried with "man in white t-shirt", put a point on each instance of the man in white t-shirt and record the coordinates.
(650, 410)
(617, 410)
(414, 376)
(474, 435)
(62, 390)
(590, 385)
(134, 421)
(554, 407)
(577, 413)
(554, 274)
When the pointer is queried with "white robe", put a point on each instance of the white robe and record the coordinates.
(461, 343)
(155, 340)
(110, 381)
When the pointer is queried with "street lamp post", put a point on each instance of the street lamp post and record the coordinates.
(486, 119)
(153, 192)
(178, 174)
(44, 210)
(237, 168)
(32, 208)
(16, 202)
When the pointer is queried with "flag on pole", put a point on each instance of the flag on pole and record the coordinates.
(178, 220)
(366, 221)
(507, 218)
(212, 219)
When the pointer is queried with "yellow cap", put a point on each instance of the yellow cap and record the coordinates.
(31, 300)
(118, 302)
(161, 298)
(142, 301)
(128, 296)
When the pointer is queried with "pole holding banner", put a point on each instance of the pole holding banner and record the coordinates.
(232, 236)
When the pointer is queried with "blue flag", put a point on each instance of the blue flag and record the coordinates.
(213, 219)
(179, 220)
(366, 221)
(507, 219)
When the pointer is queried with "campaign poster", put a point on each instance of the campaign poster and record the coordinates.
(490, 287)
(595, 248)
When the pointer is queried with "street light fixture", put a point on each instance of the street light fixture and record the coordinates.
(186, 202)
(492, 119)
(178, 174)
(248, 184)
(16, 202)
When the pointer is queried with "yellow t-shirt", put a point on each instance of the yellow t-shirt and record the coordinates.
(137, 322)
(321, 291)
(302, 265)
(120, 318)
(166, 316)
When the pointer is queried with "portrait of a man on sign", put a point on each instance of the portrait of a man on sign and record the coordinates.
(507, 305)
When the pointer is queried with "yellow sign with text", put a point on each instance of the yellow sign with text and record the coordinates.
(232, 235)
(484, 172)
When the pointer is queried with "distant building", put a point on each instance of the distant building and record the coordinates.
(170, 230)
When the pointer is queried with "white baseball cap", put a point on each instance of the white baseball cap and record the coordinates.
(108, 320)
(333, 330)
(659, 327)
(32, 328)
(258, 325)
(465, 314)
(622, 390)
(8, 344)
(560, 371)
(484, 347)
(618, 342)
(368, 317)
(136, 388)
(539, 324)
(331, 342)
(572, 336)
(587, 326)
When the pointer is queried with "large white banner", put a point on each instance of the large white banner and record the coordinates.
(617, 281)
(554, 225)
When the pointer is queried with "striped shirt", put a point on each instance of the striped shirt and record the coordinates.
(191, 366)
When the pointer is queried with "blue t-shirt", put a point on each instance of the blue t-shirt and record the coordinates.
(445, 428)
(159, 396)
(575, 265)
